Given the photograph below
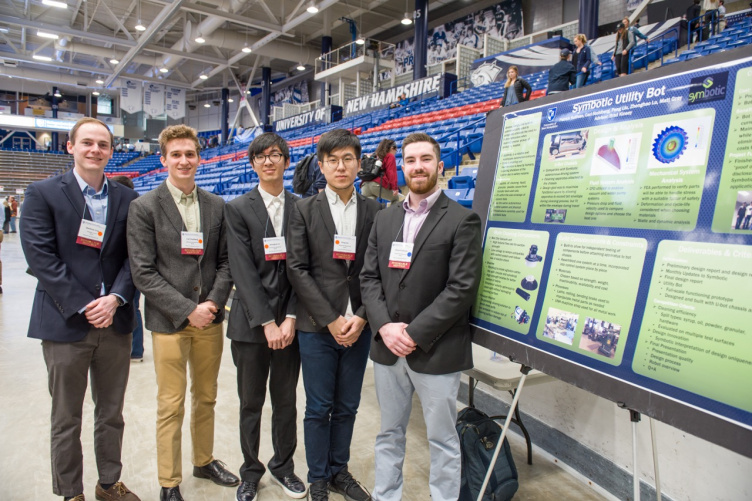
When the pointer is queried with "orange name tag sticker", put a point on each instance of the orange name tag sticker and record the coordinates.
(90, 234)
(344, 248)
(275, 248)
(192, 242)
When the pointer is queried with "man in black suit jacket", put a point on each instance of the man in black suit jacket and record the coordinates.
(262, 318)
(73, 236)
(419, 280)
(328, 236)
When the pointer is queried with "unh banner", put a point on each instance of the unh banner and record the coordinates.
(130, 96)
(174, 102)
(154, 99)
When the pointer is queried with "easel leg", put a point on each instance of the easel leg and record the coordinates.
(634, 416)
(655, 460)
(524, 370)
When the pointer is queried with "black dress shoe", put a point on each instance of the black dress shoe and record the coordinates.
(292, 485)
(217, 472)
(247, 491)
(170, 494)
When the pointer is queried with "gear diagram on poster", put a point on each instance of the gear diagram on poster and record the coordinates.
(670, 144)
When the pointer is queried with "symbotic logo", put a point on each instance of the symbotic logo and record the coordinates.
(709, 88)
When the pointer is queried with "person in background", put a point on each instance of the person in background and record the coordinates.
(624, 43)
(137, 345)
(721, 15)
(384, 186)
(13, 213)
(582, 59)
(692, 15)
(6, 222)
(635, 29)
(521, 90)
(562, 74)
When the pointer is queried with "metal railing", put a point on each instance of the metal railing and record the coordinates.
(635, 62)
(459, 152)
(353, 50)
(710, 17)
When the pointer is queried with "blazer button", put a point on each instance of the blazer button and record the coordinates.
(195, 288)
(402, 286)
(396, 314)
(348, 278)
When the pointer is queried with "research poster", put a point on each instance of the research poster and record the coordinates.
(618, 236)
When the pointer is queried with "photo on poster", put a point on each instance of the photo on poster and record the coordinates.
(680, 143)
(555, 216)
(560, 325)
(572, 144)
(600, 337)
(742, 215)
(617, 154)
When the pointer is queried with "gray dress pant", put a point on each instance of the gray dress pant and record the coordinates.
(395, 385)
(105, 355)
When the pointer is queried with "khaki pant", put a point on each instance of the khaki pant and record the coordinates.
(370, 189)
(201, 350)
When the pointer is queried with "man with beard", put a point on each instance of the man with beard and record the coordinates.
(419, 280)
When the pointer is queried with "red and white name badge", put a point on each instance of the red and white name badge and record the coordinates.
(401, 255)
(90, 234)
(192, 242)
(275, 248)
(344, 248)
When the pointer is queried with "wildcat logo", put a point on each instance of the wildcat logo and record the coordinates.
(551, 114)
(709, 88)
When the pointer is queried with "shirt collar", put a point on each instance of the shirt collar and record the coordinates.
(424, 206)
(333, 197)
(268, 197)
(177, 195)
(88, 190)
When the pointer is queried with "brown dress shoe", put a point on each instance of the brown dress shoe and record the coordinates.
(117, 492)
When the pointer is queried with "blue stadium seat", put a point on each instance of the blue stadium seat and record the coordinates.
(456, 195)
(460, 182)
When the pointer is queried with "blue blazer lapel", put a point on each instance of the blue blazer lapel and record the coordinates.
(69, 186)
(113, 204)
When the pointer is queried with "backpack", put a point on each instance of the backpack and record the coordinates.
(479, 435)
(301, 181)
(370, 168)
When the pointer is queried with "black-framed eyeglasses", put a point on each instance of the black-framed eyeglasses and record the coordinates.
(260, 158)
(333, 162)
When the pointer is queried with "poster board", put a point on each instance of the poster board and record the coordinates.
(612, 258)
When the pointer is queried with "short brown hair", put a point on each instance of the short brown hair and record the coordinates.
(420, 137)
(89, 120)
(177, 132)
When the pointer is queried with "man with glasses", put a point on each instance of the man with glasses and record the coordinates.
(262, 318)
(328, 236)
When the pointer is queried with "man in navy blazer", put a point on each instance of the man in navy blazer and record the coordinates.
(73, 235)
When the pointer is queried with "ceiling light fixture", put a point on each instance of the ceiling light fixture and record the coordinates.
(99, 81)
(207, 105)
(140, 27)
(44, 34)
(41, 58)
(203, 76)
(164, 69)
(57, 93)
(55, 3)
(114, 61)
(230, 100)
(199, 39)
(406, 20)
(3, 30)
(246, 49)
(301, 67)
(312, 7)
(95, 93)
(360, 40)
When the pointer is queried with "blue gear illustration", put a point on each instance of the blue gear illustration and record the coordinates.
(670, 144)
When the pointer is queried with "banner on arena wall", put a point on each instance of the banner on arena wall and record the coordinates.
(294, 94)
(131, 96)
(318, 116)
(434, 85)
(174, 102)
(154, 99)
(503, 21)
(617, 248)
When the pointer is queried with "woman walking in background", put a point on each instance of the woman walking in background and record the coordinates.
(624, 43)
(6, 222)
(384, 186)
(521, 90)
(582, 59)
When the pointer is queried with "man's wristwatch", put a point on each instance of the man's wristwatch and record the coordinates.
(120, 301)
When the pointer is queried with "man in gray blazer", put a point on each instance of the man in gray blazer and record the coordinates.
(178, 252)
(419, 280)
(262, 318)
(328, 236)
